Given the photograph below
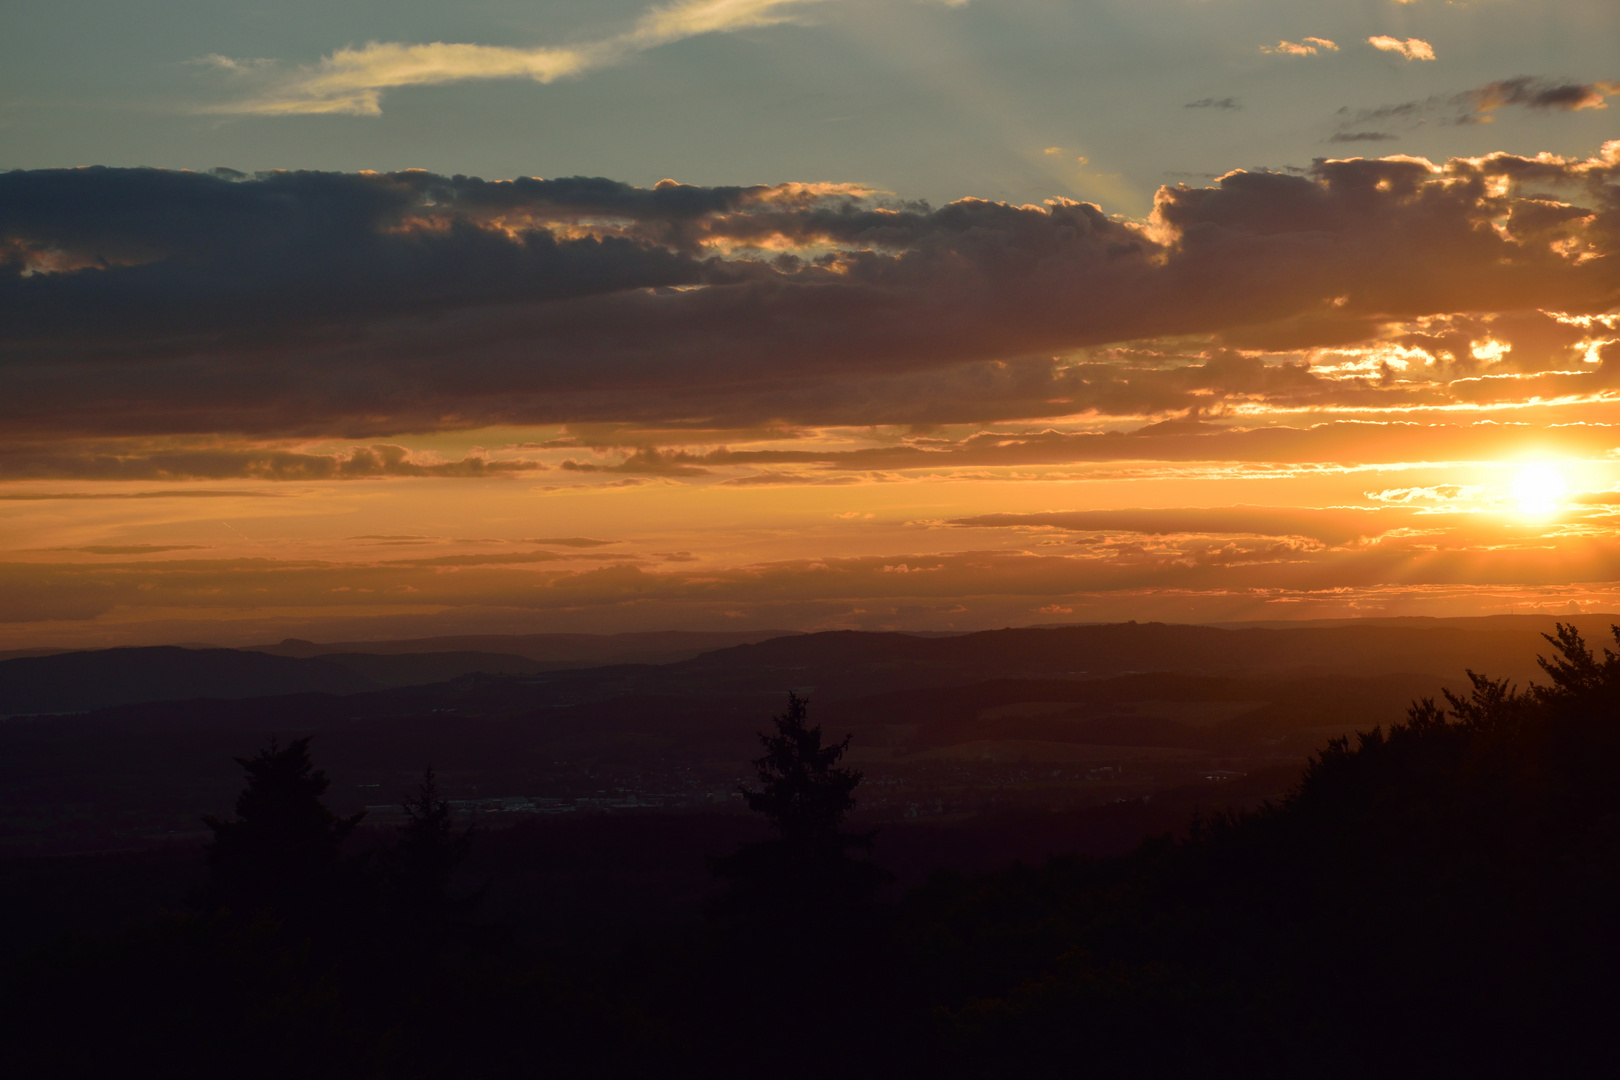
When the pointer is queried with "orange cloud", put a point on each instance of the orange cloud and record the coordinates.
(1120, 574)
(1411, 48)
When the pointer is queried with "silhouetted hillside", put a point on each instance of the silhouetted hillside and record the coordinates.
(12, 654)
(386, 671)
(1434, 896)
(992, 722)
(845, 658)
(81, 681)
(138, 773)
(1447, 883)
(838, 664)
(551, 650)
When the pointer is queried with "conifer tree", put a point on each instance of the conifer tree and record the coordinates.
(418, 869)
(282, 853)
(808, 870)
(804, 793)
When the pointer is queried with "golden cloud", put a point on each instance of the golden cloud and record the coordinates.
(1411, 48)
(353, 80)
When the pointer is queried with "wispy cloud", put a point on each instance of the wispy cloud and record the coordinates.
(645, 463)
(569, 541)
(1361, 136)
(1476, 106)
(689, 18)
(1534, 93)
(179, 493)
(1411, 48)
(353, 80)
(1309, 47)
(135, 549)
(240, 462)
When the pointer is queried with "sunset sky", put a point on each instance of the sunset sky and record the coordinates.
(361, 319)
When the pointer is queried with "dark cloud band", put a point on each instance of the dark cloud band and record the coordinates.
(142, 302)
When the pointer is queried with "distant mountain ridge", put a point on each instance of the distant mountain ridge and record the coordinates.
(82, 681)
(843, 663)
(1018, 702)
(1099, 650)
(555, 650)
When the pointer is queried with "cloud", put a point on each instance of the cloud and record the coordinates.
(1214, 103)
(1309, 47)
(1340, 442)
(569, 541)
(117, 462)
(1537, 93)
(353, 80)
(1361, 136)
(782, 479)
(1334, 527)
(689, 18)
(1411, 48)
(154, 317)
(648, 462)
(489, 559)
(1436, 494)
(136, 549)
(1476, 106)
(74, 496)
(1122, 575)
(1276, 449)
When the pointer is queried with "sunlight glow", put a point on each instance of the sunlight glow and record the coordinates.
(1539, 490)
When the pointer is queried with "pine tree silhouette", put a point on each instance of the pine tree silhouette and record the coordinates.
(418, 869)
(798, 915)
(282, 853)
(803, 792)
(808, 871)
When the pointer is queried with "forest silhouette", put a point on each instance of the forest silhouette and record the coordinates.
(1436, 898)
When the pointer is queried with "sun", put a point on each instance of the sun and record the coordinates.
(1539, 490)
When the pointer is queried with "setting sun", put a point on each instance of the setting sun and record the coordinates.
(1539, 490)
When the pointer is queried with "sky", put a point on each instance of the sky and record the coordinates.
(357, 320)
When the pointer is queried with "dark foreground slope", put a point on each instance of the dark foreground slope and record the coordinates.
(1433, 898)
